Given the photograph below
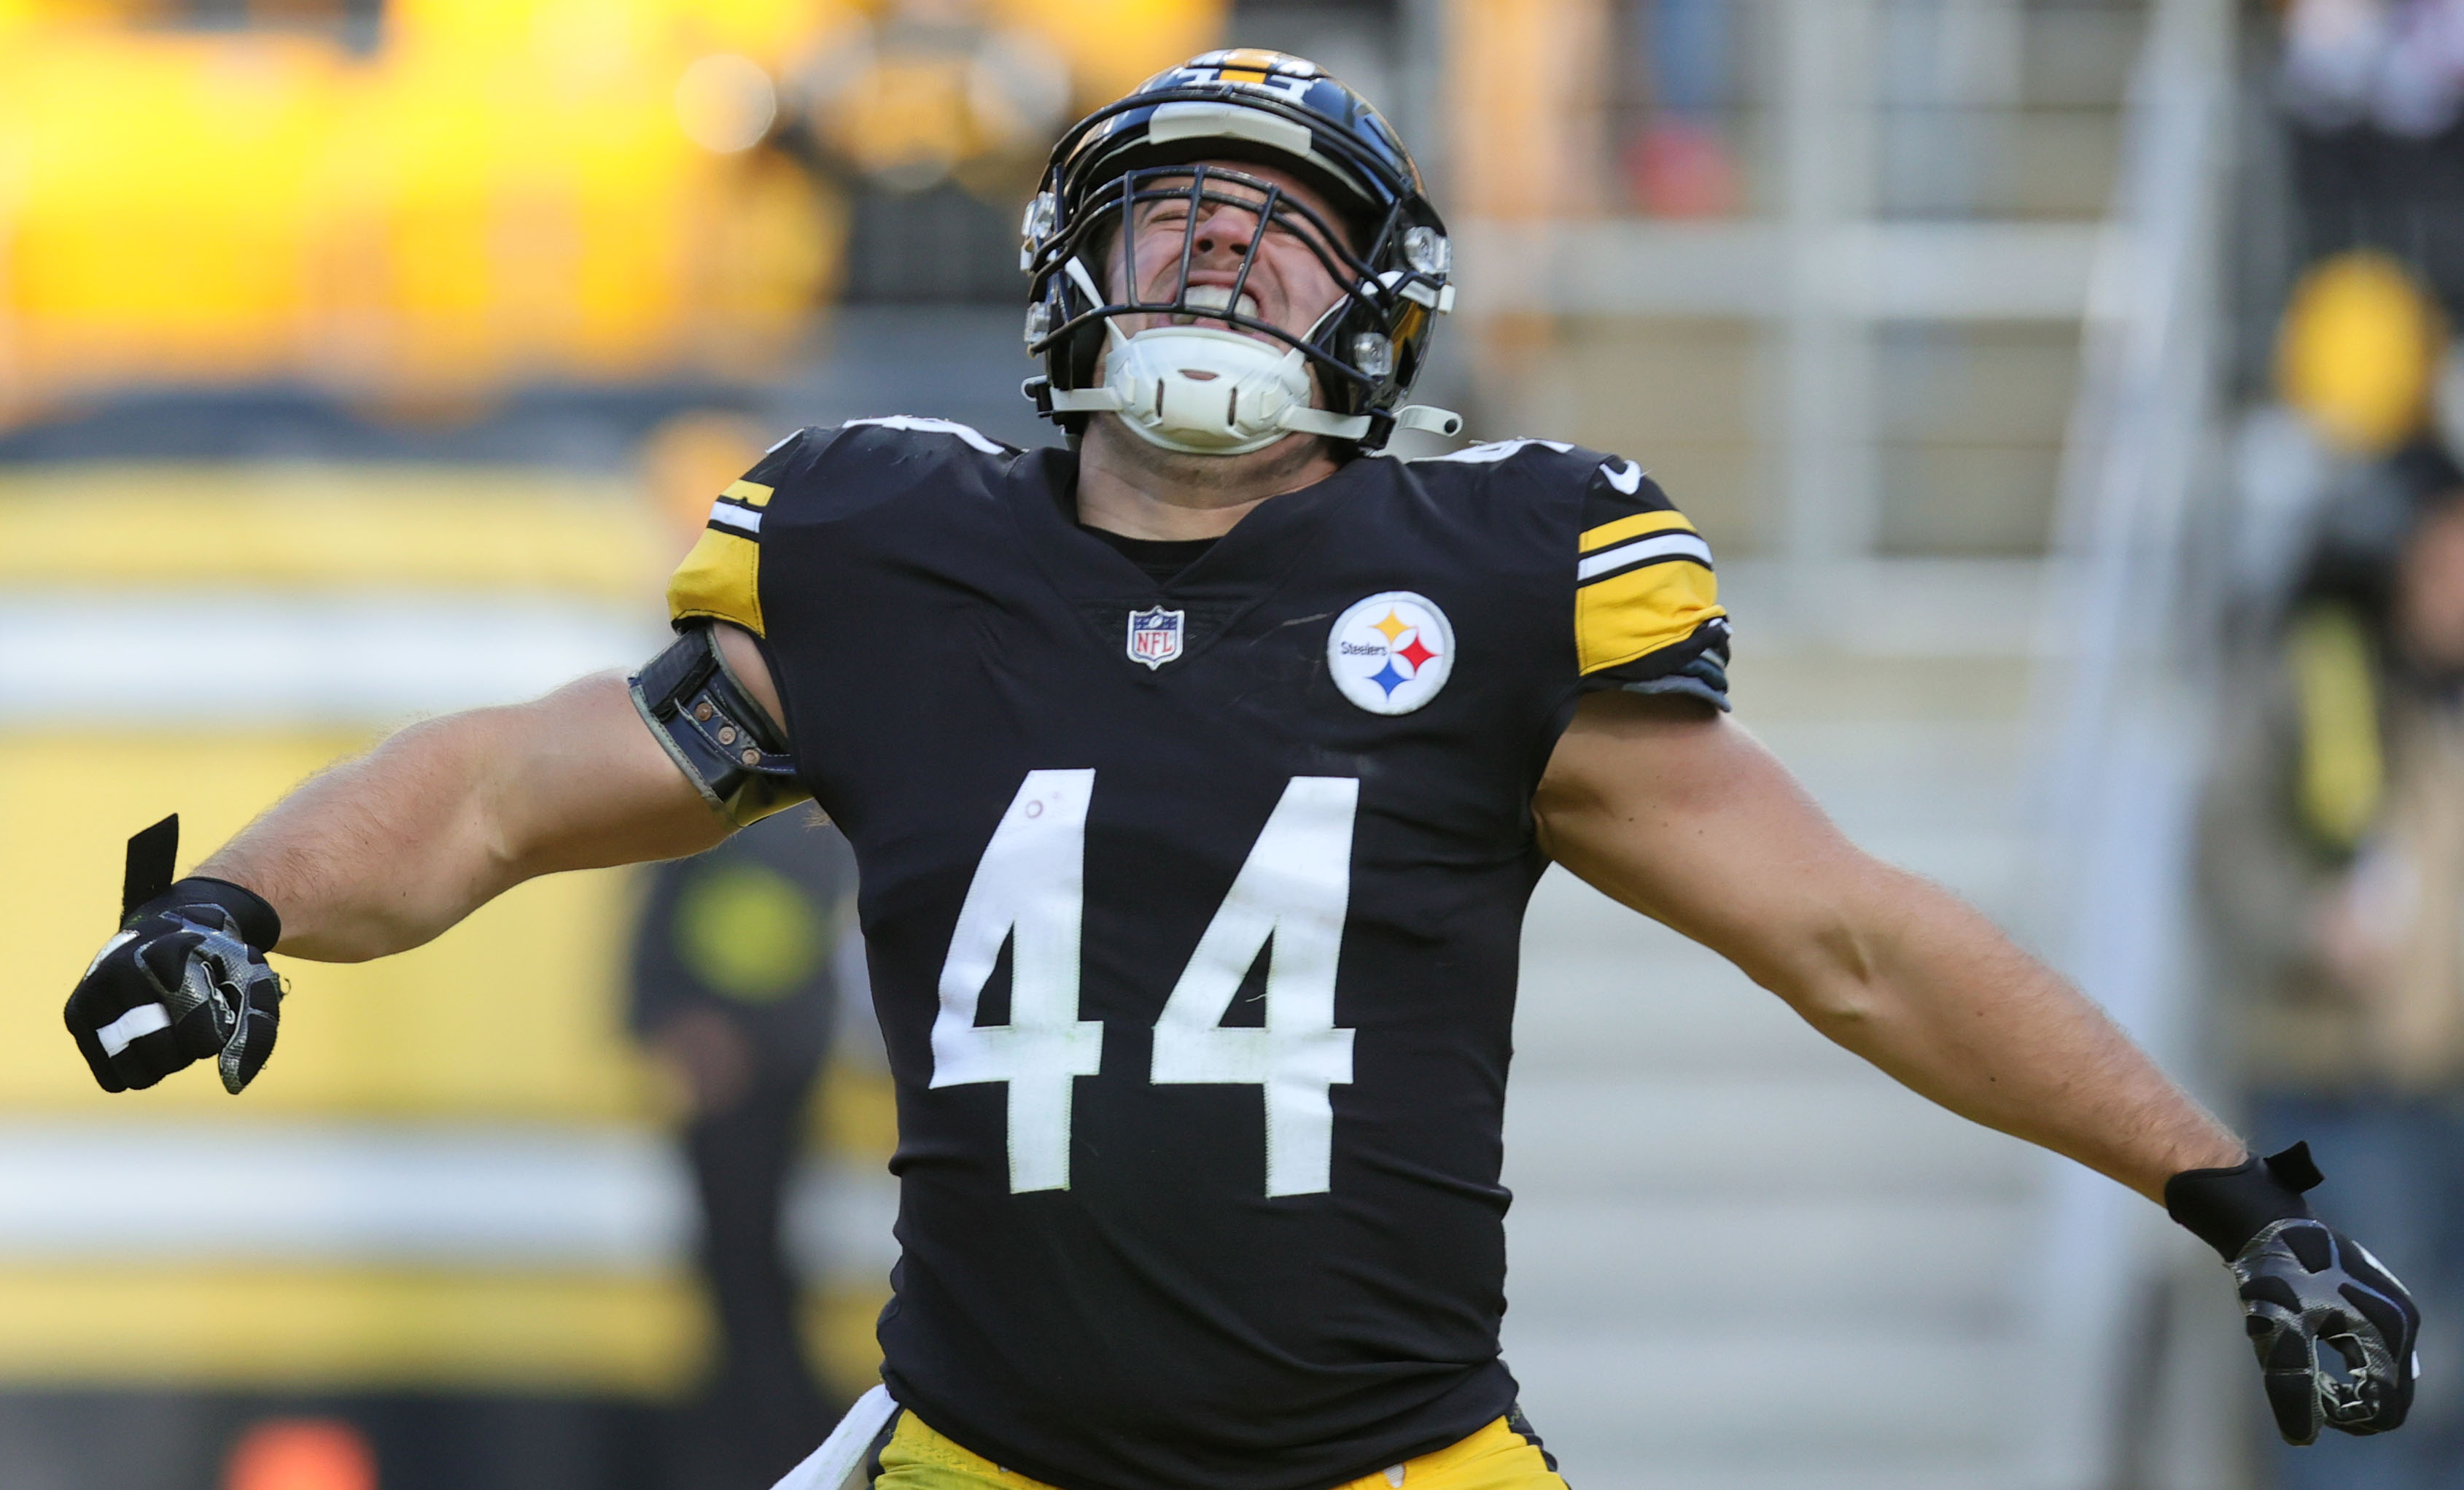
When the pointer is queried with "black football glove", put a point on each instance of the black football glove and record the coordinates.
(2304, 1284)
(185, 978)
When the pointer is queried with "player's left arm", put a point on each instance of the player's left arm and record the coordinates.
(1664, 804)
(1678, 812)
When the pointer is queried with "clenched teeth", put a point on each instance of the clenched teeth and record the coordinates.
(1215, 296)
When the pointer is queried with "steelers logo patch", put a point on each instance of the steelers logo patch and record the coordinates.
(1390, 653)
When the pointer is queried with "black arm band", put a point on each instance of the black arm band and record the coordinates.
(722, 738)
(258, 924)
(2226, 1208)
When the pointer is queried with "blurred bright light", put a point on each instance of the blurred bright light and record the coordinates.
(726, 103)
(303, 1454)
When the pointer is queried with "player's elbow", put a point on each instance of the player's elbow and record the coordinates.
(1832, 976)
(1869, 961)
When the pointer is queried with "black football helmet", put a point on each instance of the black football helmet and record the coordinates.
(1389, 249)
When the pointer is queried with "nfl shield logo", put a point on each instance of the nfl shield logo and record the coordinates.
(1155, 636)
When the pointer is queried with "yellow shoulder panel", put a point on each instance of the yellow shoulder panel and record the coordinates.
(1636, 613)
(721, 578)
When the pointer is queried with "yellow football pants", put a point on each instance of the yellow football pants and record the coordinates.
(1496, 1458)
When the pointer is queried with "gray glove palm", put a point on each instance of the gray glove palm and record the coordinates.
(2304, 1285)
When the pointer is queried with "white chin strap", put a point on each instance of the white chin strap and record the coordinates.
(1205, 391)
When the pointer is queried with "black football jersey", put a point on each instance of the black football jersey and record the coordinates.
(1192, 909)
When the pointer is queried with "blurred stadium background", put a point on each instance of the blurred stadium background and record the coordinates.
(357, 358)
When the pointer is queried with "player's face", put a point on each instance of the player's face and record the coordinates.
(1288, 286)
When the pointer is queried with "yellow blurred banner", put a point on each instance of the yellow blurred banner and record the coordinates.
(186, 526)
(496, 191)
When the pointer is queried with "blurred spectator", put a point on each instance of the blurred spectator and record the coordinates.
(2358, 352)
(2333, 868)
(734, 991)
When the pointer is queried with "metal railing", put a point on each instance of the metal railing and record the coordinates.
(2121, 731)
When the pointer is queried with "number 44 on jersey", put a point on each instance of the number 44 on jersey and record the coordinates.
(1030, 890)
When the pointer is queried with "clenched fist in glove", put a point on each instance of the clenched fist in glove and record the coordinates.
(184, 980)
(2303, 1285)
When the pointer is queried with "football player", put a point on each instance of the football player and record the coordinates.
(1199, 774)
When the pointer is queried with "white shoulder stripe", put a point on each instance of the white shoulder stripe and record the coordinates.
(933, 427)
(729, 514)
(1659, 546)
(1497, 450)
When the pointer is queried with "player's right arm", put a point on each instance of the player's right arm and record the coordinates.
(385, 852)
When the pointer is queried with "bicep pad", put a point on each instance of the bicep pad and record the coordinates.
(714, 730)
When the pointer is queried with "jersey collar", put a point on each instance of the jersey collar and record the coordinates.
(1246, 565)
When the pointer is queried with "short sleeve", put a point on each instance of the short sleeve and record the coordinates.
(721, 578)
(1647, 613)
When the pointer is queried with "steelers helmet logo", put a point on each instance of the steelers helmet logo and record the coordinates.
(1390, 653)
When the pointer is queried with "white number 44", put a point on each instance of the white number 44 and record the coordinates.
(1030, 890)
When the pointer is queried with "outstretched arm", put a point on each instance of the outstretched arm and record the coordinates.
(1679, 814)
(382, 852)
(1676, 812)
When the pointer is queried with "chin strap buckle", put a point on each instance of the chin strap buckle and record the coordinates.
(1371, 431)
(1077, 400)
(1306, 420)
